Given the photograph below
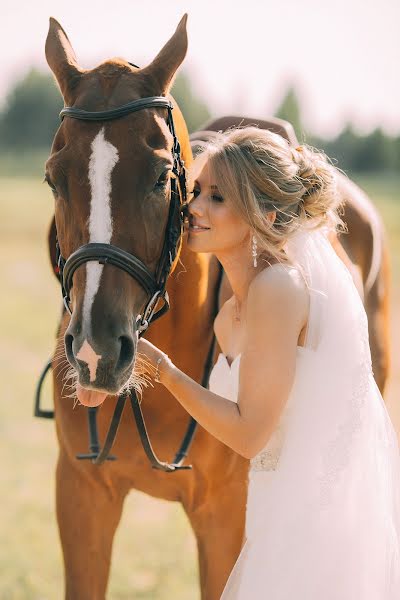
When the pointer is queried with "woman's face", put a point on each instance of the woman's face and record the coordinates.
(214, 225)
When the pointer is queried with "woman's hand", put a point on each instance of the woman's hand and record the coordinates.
(156, 362)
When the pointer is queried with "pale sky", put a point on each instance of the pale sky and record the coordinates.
(342, 55)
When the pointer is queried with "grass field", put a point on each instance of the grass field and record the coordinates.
(154, 553)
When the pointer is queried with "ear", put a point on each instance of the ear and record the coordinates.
(168, 60)
(61, 58)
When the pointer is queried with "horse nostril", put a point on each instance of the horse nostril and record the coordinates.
(68, 341)
(126, 353)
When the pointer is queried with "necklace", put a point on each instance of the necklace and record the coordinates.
(236, 316)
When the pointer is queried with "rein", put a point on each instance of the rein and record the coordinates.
(154, 285)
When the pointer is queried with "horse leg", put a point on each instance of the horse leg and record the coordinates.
(88, 512)
(219, 529)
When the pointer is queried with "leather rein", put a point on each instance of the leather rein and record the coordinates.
(154, 285)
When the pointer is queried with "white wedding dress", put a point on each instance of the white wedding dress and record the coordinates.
(323, 509)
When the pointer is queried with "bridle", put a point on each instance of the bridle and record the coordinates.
(154, 285)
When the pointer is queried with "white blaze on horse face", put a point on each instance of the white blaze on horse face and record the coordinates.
(89, 356)
(102, 161)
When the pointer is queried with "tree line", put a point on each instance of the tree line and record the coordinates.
(29, 120)
(354, 153)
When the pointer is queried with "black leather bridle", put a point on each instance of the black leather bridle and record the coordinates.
(154, 285)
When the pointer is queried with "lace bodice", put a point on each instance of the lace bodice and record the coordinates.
(224, 381)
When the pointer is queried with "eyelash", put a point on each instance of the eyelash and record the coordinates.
(162, 180)
(214, 197)
(50, 184)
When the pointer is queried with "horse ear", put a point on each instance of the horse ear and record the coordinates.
(61, 58)
(167, 61)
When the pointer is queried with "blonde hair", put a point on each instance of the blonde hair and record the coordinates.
(259, 172)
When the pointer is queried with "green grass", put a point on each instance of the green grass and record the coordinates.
(154, 553)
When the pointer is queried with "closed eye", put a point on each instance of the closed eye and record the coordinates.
(162, 180)
(214, 197)
(50, 184)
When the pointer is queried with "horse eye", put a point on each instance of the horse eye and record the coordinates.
(162, 180)
(50, 184)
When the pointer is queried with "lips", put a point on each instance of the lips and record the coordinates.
(197, 227)
(90, 398)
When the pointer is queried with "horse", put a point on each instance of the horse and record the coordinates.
(363, 248)
(111, 181)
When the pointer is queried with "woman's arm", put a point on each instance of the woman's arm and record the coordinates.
(279, 305)
(275, 316)
(219, 416)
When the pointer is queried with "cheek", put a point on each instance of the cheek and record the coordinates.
(226, 224)
(69, 230)
(220, 215)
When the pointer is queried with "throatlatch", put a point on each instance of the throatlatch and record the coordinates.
(155, 286)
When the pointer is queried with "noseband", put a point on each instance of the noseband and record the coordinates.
(154, 285)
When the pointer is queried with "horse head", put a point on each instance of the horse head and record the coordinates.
(113, 181)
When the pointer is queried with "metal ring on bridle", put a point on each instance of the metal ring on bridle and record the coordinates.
(109, 254)
(154, 285)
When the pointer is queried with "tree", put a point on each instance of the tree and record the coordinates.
(342, 150)
(30, 116)
(29, 119)
(289, 110)
(355, 153)
(375, 152)
(194, 109)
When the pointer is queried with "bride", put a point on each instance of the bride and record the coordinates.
(293, 389)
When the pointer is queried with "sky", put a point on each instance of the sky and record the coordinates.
(342, 56)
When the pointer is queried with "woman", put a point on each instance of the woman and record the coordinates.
(293, 389)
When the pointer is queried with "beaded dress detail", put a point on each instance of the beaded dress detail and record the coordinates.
(323, 508)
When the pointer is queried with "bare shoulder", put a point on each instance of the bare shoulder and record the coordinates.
(279, 290)
(280, 286)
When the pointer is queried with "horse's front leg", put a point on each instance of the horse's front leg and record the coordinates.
(219, 528)
(88, 512)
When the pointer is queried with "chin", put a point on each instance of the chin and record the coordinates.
(195, 246)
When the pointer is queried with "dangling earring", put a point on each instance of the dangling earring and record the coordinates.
(254, 250)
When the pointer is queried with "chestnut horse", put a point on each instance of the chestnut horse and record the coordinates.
(135, 151)
(111, 178)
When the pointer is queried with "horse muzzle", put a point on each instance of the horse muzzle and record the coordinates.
(103, 367)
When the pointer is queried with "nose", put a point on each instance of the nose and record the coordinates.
(196, 207)
(101, 364)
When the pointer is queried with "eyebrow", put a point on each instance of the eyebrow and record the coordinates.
(214, 188)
